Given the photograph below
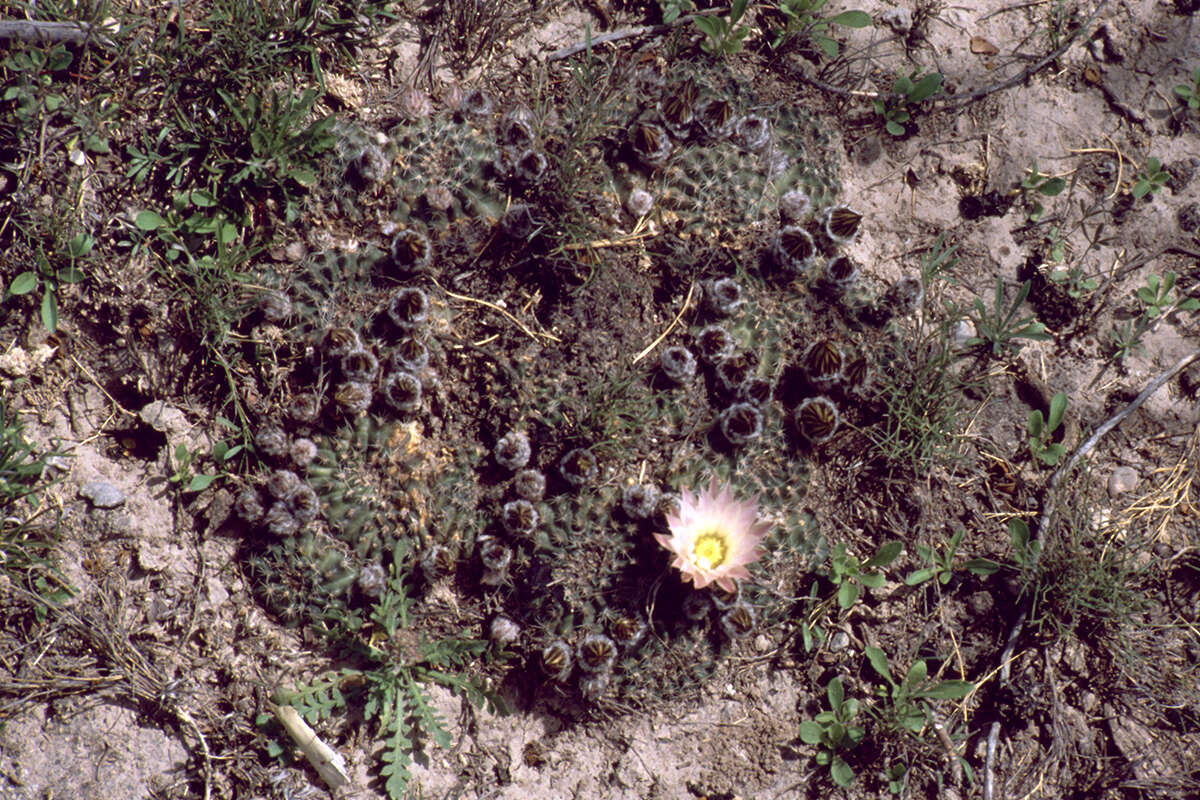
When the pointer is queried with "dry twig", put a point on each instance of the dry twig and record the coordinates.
(42, 31)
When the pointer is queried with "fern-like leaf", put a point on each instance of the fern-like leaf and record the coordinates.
(426, 716)
(393, 720)
(318, 700)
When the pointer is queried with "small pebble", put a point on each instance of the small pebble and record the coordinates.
(101, 494)
(964, 331)
(839, 641)
(1122, 480)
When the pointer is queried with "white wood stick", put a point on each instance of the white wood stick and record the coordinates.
(328, 763)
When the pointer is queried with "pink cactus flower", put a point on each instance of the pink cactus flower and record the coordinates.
(714, 537)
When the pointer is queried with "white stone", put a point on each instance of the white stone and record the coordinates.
(1122, 480)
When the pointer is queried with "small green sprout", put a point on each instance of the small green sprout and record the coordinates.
(1150, 180)
(1041, 431)
(833, 732)
(941, 563)
(1157, 301)
(49, 277)
(907, 91)
(1156, 295)
(802, 21)
(849, 574)
(1073, 280)
(1001, 326)
(32, 75)
(897, 777)
(184, 462)
(1026, 549)
(1190, 92)
(907, 708)
(1035, 183)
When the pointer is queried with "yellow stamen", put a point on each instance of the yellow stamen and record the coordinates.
(709, 549)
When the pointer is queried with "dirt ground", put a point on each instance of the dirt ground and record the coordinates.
(166, 705)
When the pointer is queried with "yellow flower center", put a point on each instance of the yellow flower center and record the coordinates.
(709, 549)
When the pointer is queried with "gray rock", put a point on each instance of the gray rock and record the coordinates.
(839, 641)
(102, 495)
(1122, 480)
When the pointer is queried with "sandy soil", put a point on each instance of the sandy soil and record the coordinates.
(1093, 116)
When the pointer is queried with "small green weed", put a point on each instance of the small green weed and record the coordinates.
(1041, 431)
(396, 700)
(1001, 326)
(674, 9)
(907, 91)
(271, 146)
(1150, 180)
(905, 705)
(49, 275)
(1157, 302)
(941, 563)
(725, 36)
(24, 546)
(21, 471)
(184, 463)
(850, 575)
(1156, 296)
(1190, 92)
(1035, 184)
(834, 732)
(802, 22)
(1074, 281)
(31, 91)
(1080, 581)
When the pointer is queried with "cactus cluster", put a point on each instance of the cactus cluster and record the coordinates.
(548, 540)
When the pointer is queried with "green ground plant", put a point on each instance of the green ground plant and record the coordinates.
(725, 36)
(1040, 429)
(32, 90)
(940, 563)
(908, 91)
(1074, 280)
(392, 684)
(905, 707)
(1190, 92)
(184, 463)
(905, 704)
(49, 275)
(1034, 185)
(801, 22)
(851, 576)
(1150, 180)
(1080, 581)
(921, 386)
(1157, 302)
(1002, 326)
(835, 733)
(25, 540)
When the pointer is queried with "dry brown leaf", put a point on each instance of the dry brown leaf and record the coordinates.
(981, 46)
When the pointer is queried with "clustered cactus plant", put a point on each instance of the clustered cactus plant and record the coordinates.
(550, 537)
